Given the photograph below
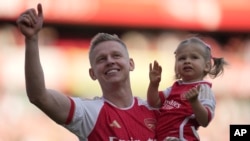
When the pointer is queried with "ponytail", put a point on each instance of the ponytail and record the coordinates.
(217, 67)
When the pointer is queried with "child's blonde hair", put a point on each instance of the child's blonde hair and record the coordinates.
(217, 64)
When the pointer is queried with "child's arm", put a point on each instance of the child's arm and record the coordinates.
(155, 78)
(200, 111)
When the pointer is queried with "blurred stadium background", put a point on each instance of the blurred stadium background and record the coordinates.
(150, 28)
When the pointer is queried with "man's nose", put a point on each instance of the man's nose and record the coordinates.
(110, 60)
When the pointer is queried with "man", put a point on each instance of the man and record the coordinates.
(117, 115)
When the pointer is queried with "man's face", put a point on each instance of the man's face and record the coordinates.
(110, 62)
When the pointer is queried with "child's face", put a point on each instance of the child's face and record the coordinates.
(190, 62)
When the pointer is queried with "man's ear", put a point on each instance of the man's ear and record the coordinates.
(132, 64)
(92, 74)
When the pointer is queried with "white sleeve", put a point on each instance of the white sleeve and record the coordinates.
(166, 92)
(85, 116)
(207, 98)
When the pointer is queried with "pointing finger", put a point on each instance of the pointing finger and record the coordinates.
(40, 10)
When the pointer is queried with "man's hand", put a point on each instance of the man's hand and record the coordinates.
(30, 22)
(155, 73)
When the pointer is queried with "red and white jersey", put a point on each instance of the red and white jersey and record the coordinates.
(177, 118)
(100, 120)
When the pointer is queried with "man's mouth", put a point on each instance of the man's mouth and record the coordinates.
(111, 71)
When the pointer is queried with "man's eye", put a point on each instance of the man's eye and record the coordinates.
(117, 55)
(100, 59)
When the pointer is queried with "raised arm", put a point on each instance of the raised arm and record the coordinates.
(53, 103)
(201, 111)
(155, 78)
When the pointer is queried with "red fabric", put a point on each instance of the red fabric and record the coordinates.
(71, 111)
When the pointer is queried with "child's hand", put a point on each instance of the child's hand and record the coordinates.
(155, 73)
(192, 94)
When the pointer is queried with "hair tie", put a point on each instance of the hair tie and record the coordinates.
(207, 45)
